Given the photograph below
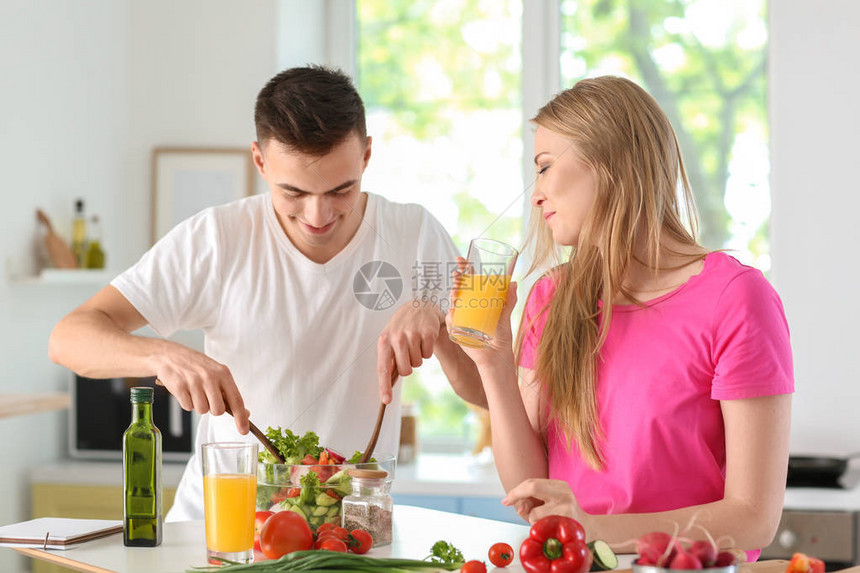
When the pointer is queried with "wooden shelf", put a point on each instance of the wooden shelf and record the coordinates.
(20, 404)
(66, 277)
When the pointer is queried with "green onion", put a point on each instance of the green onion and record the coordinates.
(312, 561)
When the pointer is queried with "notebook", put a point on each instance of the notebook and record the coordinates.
(56, 532)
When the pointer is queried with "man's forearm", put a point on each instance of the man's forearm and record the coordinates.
(92, 345)
(460, 370)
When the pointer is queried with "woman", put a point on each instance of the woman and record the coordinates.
(655, 377)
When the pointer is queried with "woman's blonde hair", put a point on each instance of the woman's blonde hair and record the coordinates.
(642, 197)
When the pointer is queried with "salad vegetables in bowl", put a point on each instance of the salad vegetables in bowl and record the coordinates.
(313, 480)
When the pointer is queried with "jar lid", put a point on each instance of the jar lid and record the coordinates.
(367, 474)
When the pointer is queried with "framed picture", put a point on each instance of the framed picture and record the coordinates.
(186, 180)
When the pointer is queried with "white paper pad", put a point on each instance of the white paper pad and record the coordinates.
(60, 532)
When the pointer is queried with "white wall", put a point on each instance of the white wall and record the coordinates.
(87, 89)
(815, 122)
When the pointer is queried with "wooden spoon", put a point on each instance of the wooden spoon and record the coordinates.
(368, 451)
(254, 430)
(260, 436)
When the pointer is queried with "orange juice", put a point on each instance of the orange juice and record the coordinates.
(478, 304)
(230, 503)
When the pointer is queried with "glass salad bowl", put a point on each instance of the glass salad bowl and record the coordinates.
(313, 490)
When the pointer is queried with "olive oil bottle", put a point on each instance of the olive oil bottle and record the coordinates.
(141, 454)
(79, 234)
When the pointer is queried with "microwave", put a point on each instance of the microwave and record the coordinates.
(101, 411)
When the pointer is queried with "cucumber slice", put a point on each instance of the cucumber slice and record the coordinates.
(333, 511)
(325, 499)
(604, 558)
(320, 510)
(335, 519)
(316, 520)
(298, 509)
(336, 478)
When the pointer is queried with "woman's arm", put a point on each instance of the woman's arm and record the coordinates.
(757, 440)
(518, 444)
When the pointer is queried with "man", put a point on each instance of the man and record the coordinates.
(303, 294)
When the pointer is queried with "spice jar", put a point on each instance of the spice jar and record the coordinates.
(369, 506)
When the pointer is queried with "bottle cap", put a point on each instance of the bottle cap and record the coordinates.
(141, 394)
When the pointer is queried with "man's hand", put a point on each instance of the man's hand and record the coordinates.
(407, 340)
(201, 384)
(537, 497)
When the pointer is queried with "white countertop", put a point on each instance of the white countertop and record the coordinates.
(415, 531)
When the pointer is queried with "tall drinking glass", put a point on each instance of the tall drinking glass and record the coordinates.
(229, 495)
(480, 292)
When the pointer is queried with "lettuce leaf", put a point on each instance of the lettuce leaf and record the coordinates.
(293, 448)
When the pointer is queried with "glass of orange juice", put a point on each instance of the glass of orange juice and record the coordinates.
(229, 497)
(480, 291)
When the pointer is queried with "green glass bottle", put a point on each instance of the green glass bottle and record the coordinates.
(141, 455)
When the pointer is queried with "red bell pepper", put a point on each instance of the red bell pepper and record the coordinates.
(556, 544)
(801, 563)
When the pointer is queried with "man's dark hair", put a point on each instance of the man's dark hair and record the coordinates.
(310, 110)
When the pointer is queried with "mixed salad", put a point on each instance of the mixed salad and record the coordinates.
(312, 481)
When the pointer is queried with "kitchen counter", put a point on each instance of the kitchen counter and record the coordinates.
(449, 475)
(827, 499)
(415, 531)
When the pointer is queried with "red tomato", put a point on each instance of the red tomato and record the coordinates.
(285, 532)
(333, 544)
(260, 519)
(501, 554)
(324, 527)
(473, 566)
(340, 532)
(361, 541)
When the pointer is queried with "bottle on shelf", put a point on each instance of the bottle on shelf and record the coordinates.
(95, 254)
(79, 234)
(141, 455)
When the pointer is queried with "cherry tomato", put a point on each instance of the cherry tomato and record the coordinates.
(473, 566)
(283, 533)
(361, 541)
(501, 554)
(333, 544)
(324, 527)
(340, 532)
(260, 519)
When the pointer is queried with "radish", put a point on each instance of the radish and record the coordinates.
(684, 560)
(653, 548)
(724, 559)
(705, 552)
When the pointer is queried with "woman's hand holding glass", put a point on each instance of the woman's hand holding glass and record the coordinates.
(499, 351)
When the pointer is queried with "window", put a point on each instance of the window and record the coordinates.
(441, 84)
(705, 63)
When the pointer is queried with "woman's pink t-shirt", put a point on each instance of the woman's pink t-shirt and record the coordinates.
(662, 372)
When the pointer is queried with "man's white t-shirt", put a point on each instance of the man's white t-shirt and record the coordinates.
(299, 337)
